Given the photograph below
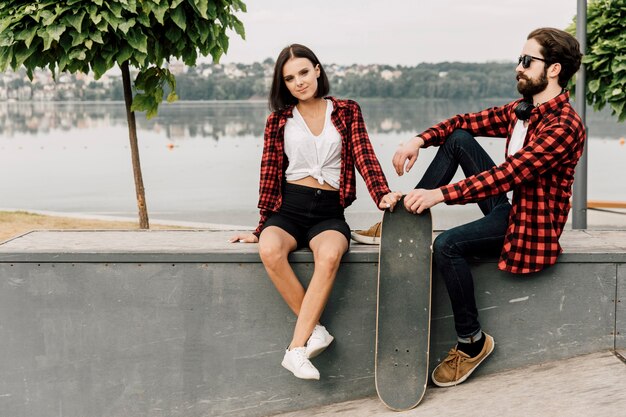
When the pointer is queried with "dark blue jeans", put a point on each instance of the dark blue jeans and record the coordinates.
(482, 237)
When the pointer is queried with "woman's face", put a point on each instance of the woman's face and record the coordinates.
(300, 77)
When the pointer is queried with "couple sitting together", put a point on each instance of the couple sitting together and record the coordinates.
(313, 142)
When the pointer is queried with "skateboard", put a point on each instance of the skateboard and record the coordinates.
(403, 308)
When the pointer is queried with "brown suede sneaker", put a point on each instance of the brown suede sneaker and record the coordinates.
(458, 366)
(370, 236)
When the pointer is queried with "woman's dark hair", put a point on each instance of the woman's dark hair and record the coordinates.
(559, 46)
(280, 97)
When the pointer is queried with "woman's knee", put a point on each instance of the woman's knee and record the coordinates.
(273, 250)
(329, 257)
(328, 254)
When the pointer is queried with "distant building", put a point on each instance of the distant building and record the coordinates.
(177, 67)
(231, 71)
(389, 75)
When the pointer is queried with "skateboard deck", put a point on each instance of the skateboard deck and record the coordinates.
(403, 308)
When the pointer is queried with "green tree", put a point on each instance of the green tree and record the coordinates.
(605, 58)
(95, 35)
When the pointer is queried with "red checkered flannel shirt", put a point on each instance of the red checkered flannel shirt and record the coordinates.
(541, 175)
(356, 150)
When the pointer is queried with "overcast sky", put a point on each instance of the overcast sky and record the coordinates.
(392, 32)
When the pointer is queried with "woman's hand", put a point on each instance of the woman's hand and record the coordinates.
(244, 238)
(407, 155)
(389, 200)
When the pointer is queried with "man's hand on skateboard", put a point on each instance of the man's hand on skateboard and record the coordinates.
(420, 199)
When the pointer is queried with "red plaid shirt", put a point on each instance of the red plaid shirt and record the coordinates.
(356, 150)
(541, 175)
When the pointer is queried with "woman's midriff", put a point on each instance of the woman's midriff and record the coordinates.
(313, 183)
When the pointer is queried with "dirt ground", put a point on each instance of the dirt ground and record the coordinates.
(15, 223)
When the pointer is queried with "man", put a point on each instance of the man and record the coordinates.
(525, 200)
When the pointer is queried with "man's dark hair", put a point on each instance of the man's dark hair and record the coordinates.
(280, 97)
(559, 46)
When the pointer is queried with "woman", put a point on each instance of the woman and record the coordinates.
(311, 146)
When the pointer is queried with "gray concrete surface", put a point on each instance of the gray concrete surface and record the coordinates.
(184, 324)
(591, 385)
(78, 245)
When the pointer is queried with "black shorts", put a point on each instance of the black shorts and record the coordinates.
(306, 212)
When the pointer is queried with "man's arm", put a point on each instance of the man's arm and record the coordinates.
(492, 122)
(553, 146)
(557, 144)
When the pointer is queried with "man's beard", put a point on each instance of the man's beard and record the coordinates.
(528, 87)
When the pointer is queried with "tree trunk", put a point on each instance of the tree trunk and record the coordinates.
(134, 149)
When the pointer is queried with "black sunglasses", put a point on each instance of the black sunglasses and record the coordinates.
(525, 60)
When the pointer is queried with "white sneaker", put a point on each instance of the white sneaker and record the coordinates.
(295, 360)
(318, 341)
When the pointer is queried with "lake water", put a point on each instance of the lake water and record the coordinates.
(200, 161)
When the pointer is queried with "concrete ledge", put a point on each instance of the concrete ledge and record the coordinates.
(181, 323)
(181, 246)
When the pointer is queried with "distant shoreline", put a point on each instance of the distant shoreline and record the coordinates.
(262, 101)
(124, 219)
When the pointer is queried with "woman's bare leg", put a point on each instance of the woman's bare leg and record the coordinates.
(328, 248)
(274, 247)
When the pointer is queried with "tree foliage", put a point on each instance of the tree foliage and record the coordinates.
(81, 35)
(605, 58)
(84, 35)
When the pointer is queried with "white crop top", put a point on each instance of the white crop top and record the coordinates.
(310, 155)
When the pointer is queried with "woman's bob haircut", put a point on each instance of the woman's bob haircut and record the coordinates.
(280, 97)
